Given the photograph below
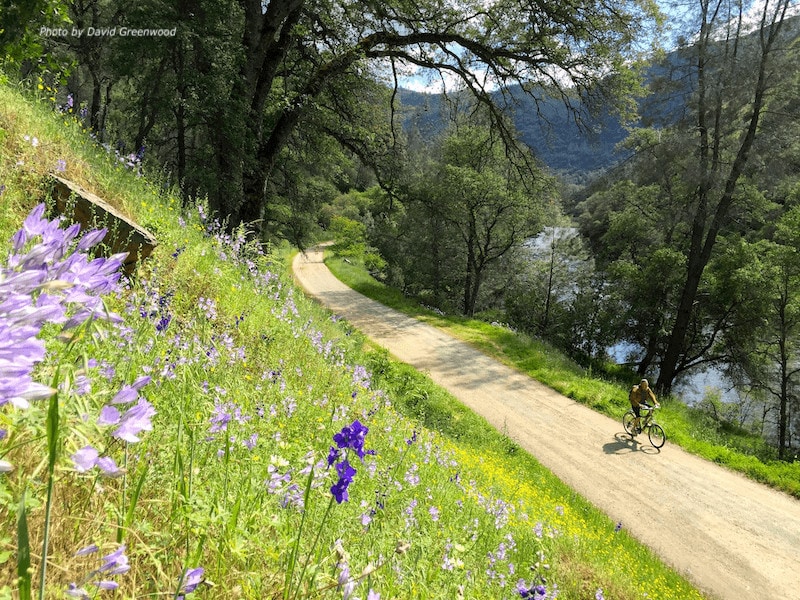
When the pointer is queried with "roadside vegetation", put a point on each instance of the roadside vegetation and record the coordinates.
(203, 430)
(604, 387)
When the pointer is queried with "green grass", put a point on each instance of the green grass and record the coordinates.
(691, 428)
(250, 381)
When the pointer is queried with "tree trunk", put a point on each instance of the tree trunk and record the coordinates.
(266, 40)
(710, 163)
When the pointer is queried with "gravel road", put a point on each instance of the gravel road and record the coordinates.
(731, 537)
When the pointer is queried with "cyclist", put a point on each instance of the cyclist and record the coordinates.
(641, 395)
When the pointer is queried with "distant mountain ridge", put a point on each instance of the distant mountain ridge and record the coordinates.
(576, 154)
(572, 152)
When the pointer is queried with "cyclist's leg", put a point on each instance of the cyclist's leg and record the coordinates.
(648, 414)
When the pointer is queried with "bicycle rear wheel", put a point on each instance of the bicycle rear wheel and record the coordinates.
(627, 422)
(657, 435)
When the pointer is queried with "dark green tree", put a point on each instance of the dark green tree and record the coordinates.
(293, 52)
(467, 209)
(735, 77)
(693, 180)
(764, 344)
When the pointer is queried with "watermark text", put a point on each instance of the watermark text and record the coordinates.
(105, 32)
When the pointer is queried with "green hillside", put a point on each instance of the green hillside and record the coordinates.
(209, 432)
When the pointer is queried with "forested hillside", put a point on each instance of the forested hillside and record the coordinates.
(577, 151)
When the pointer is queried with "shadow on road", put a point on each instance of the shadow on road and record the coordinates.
(623, 443)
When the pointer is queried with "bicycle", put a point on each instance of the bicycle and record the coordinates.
(654, 431)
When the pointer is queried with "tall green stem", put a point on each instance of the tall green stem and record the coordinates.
(313, 546)
(52, 455)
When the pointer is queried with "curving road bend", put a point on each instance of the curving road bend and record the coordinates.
(731, 537)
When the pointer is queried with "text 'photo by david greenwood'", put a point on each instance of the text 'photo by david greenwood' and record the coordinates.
(106, 32)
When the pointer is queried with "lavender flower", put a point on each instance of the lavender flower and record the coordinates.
(45, 279)
(346, 584)
(115, 563)
(136, 420)
(109, 468)
(85, 459)
(106, 584)
(251, 442)
(189, 582)
(77, 592)
(109, 415)
(86, 550)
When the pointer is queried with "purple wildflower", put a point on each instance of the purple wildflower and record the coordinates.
(106, 584)
(109, 468)
(189, 581)
(115, 563)
(43, 281)
(86, 550)
(85, 459)
(163, 322)
(91, 238)
(534, 592)
(136, 420)
(251, 442)
(346, 584)
(352, 436)
(333, 456)
(346, 474)
(77, 592)
(109, 415)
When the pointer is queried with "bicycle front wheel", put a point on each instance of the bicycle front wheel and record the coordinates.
(627, 422)
(657, 435)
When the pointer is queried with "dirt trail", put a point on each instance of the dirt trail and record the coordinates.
(731, 537)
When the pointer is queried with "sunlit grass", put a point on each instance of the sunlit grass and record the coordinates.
(250, 381)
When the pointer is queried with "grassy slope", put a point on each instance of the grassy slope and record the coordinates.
(691, 429)
(478, 513)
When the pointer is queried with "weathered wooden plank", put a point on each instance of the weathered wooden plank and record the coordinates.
(91, 211)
